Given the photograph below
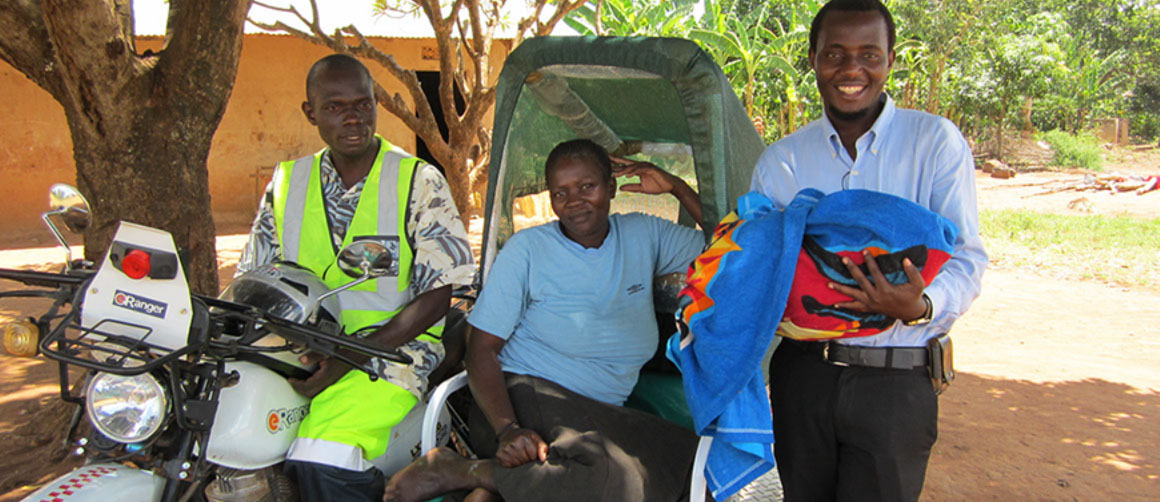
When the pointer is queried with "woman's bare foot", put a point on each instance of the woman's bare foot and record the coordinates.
(439, 471)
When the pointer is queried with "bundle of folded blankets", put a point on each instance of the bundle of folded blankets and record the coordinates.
(767, 270)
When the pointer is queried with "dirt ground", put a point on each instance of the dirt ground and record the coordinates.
(1057, 398)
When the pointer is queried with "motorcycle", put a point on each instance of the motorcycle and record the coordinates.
(188, 395)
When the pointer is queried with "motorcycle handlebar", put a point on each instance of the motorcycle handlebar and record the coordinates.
(312, 337)
(44, 279)
(327, 343)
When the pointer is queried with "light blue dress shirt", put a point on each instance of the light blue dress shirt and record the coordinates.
(581, 317)
(911, 154)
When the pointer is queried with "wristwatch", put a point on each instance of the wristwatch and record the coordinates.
(926, 314)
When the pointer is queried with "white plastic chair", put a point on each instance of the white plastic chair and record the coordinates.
(436, 401)
(439, 399)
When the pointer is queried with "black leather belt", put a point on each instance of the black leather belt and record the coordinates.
(900, 358)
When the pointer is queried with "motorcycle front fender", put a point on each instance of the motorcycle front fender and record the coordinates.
(101, 482)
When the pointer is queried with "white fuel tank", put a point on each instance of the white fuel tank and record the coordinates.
(256, 420)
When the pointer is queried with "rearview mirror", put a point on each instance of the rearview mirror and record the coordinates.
(365, 259)
(361, 260)
(72, 207)
(68, 203)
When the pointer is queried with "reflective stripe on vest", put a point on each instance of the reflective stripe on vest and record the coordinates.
(304, 232)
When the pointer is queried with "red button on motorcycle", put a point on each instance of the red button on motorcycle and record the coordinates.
(136, 264)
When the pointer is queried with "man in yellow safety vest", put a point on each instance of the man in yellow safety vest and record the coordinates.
(361, 187)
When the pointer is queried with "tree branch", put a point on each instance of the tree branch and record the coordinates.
(524, 24)
(461, 82)
(453, 14)
(202, 33)
(463, 40)
(481, 38)
(562, 9)
(448, 56)
(123, 10)
(289, 10)
(484, 99)
(94, 62)
(336, 44)
(26, 46)
(403, 75)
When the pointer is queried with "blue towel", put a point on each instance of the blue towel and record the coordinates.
(726, 399)
(736, 296)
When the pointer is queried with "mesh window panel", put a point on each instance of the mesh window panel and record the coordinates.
(635, 105)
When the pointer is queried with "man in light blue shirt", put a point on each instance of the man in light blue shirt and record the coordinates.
(911, 154)
(855, 419)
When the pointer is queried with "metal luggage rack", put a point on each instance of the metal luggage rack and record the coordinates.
(97, 348)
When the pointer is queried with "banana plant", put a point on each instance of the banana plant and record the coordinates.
(627, 18)
(741, 47)
(1095, 80)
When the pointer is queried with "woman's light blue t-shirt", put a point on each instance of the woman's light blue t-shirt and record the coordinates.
(582, 318)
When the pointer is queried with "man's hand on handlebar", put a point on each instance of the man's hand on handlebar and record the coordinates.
(329, 371)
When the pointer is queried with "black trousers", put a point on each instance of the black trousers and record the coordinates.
(850, 433)
(597, 451)
(324, 483)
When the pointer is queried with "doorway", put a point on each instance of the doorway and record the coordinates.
(429, 81)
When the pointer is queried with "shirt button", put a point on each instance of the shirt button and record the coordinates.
(855, 173)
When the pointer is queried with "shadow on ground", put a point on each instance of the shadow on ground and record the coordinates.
(1003, 439)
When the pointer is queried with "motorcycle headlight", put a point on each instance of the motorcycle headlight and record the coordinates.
(127, 409)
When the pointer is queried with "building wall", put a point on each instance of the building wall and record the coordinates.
(35, 152)
(263, 124)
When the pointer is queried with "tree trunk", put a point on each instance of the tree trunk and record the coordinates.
(459, 182)
(999, 130)
(1028, 129)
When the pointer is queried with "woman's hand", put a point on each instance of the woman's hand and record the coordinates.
(653, 180)
(516, 446)
(520, 446)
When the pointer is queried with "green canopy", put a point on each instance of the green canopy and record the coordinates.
(664, 93)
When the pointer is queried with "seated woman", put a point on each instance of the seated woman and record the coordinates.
(560, 333)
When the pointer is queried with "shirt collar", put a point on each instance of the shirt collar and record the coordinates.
(596, 251)
(326, 168)
(877, 131)
(329, 176)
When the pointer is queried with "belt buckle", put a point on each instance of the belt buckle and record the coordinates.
(826, 355)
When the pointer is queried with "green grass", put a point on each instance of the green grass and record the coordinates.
(1117, 249)
(1081, 151)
